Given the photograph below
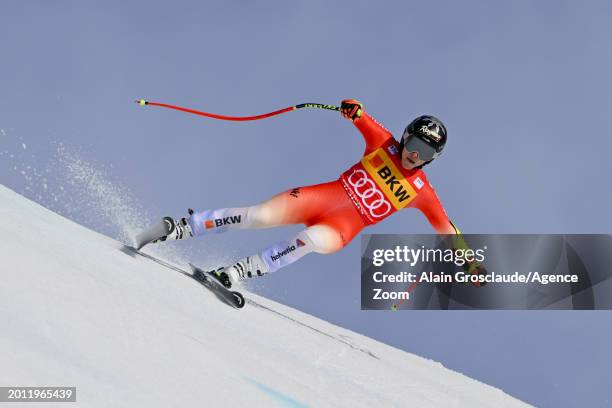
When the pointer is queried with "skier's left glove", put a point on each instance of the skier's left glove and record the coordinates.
(351, 109)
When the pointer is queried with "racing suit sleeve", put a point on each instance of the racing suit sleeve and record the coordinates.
(430, 206)
(374, 133)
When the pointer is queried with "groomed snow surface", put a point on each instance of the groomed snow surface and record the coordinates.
(76, 310)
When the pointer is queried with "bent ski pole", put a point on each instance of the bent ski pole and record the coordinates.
(143, 102)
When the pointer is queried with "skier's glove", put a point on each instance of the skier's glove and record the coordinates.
(351, 109)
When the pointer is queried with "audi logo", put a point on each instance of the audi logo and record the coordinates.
(371, 197)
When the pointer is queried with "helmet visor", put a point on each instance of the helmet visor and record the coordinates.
(414, 144)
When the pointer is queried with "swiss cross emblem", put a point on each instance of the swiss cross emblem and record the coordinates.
(418, 183)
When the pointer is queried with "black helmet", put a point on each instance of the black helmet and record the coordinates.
(426, 135)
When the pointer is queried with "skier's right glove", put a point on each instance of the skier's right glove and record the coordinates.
(351, 109)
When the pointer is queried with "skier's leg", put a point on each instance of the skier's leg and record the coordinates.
(303, 205)
(295, 206)
(267, 214)
(317, 238)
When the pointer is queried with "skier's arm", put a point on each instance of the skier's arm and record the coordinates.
(430, 206)
(439, 220)
(373, 132)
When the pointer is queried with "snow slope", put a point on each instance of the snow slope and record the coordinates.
(127, 332)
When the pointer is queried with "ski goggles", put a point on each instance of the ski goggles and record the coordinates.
(414, 144)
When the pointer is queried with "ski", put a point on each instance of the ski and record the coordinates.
(133, 251)
(233, 298)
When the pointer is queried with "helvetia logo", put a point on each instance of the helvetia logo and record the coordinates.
(220, 222)
(287, 250)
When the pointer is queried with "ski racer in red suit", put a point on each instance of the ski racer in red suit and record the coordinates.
(388, 178)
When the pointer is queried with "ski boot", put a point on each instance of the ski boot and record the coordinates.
(177, 229)
(245, 268)
(217, 274)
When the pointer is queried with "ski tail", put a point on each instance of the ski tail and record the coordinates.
(157, 231)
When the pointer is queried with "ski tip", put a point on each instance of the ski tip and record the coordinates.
(238, 300)
(142, 102)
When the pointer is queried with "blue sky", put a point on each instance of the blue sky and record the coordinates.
(523, 88)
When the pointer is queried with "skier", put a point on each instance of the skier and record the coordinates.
(388, 178)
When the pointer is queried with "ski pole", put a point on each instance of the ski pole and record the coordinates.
(143, 102)
(408, 290)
